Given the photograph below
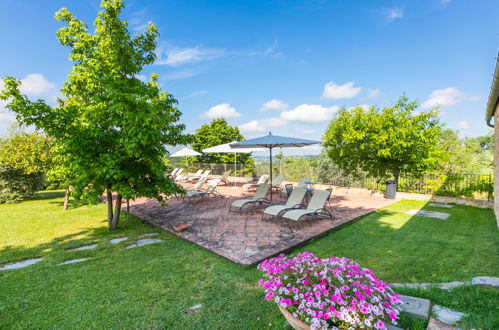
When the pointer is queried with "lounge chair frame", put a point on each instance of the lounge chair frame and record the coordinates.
(260, 200)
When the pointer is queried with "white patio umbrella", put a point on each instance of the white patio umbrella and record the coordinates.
(273, 141)
(185, 152)
(226, 148)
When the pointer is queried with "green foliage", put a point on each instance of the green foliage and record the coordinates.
(16, 184)
(383, 142)
(111, 128)
(215, 133)
(465, 154)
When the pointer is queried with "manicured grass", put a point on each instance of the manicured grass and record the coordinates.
(404, 248)
(152, 286)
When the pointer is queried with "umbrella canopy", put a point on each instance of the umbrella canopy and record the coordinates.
(185, 152)
(226, 148)
(273, 141)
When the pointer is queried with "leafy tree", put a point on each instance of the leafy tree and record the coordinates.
(384, 142)
(30, 152)
(215, 133)
(465, 154)
(110, 127)
(16, 184)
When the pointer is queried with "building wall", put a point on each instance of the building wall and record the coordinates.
(496, 165)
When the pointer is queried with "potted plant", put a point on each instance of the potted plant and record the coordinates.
(337, 293)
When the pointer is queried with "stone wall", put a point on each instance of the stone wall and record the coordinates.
(496, 165)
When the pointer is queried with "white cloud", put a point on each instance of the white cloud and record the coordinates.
(141, 77)
(309, 113)
(253, 126)
(345, 91)
(177, 56)
(221, 111)
(168, 54)
(274, 105)
(373, 93)
(393, 13)
(138, 22)
(263, 125)
(196, 93)
(447, 97)
(463, 125)
(36, 84)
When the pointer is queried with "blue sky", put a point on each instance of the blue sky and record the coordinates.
(284, 66)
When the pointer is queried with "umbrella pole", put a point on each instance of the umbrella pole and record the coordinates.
(235, 169)
(270, 173)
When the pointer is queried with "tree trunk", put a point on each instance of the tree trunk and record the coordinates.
(127, 212)
(116, 215)
(109, 207)
(66, 199)
(396, 174)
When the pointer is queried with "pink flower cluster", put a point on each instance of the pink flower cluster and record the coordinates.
(329, 293)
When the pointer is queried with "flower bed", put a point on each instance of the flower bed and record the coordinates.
(329, 293)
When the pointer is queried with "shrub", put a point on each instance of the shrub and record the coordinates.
(332, 292)
(15, 184)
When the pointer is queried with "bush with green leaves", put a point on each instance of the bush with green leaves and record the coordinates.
(16, 184)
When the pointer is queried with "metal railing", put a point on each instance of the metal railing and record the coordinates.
(478, 186)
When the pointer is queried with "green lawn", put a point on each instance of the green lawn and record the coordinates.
(151, 286)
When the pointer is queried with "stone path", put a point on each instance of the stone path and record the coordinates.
(447, 315)
(430, 214)
(144, 241)
(447, 206)
(444, 286)
(246, 238)
(417, 307)
(118, 240)
(21, 264)
(72, 261)
(148, 234)
(438, 325)
(485, 280)
(82, 248)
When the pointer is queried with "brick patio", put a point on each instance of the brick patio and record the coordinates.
(246, 238)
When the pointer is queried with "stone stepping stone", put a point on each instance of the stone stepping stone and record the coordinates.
(148, 234)
(85, 247)
(118, 240)
(447, 315)
(417, 307)
(21, 264)
(447, 206)
(443, 286)
(430, 214)
(73, 261)
(486, 280)
(144, 241)
(438, 325)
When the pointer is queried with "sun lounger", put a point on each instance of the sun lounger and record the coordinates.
(277, 182)
(263, 179)
(294, 202)
(210, 190)
(197, 186)
(302, 183)
(172, 174)
(316, 207)
(196, 176)
(180, 177)
(258, 197)
(225, 177)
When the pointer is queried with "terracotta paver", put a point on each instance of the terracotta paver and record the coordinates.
(245, 238)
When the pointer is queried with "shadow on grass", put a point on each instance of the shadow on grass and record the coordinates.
(88, 236)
